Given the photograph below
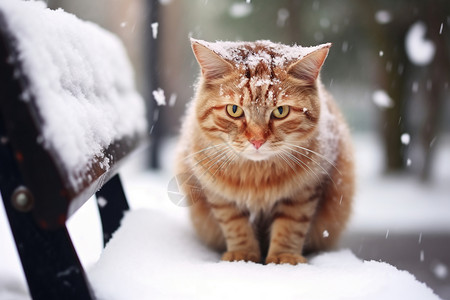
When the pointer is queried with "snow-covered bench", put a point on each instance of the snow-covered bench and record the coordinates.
(69, 115)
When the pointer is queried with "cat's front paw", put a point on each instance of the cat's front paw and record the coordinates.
(286, 258)
(241, 255)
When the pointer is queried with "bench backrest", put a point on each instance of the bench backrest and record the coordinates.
(68, 107)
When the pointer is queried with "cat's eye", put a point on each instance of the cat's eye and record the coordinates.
(280, 112)
(234, 111)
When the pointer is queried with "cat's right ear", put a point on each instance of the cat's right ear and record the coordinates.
(212, 65)
(307, 69)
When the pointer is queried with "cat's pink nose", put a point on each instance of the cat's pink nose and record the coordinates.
(257, 143)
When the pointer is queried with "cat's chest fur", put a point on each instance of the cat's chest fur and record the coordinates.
(257, 186)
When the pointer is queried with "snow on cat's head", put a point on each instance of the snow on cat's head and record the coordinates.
(259, 97)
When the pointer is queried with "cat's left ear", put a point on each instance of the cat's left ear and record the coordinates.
(307, 69)
(212, 65)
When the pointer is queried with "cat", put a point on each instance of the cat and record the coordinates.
(264, 156)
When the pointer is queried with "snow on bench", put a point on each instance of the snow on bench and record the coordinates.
(75, 82)
(69, 115)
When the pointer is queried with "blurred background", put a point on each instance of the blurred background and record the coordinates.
(389, 69)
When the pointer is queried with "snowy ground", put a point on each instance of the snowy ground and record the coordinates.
(156, 255)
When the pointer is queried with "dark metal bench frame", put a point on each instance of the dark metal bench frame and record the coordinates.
(36, 194)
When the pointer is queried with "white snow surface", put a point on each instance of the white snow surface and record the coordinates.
(419, 50)
(81, 80)
(173, 264)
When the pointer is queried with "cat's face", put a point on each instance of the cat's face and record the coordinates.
(258, 98)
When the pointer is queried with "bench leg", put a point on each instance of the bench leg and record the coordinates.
(112, 204)
(51, 264)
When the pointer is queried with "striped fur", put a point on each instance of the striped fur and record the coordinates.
(291, 195)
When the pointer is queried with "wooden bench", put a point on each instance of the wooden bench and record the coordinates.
(69, 116)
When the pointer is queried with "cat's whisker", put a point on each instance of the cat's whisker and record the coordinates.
(279, 155)
(217, 156)
(316, 162)
(226, 163)
(288, 157)
(205, 149)
(226, 159)
(219, 159)
(211, 156)
(316, 153)
(302, 164)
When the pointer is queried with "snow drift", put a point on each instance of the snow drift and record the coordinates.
(155, 255)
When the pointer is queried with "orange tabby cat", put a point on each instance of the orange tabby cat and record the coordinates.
(265, 153)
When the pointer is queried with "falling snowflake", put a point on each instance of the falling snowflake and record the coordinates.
(159, 97)
(282, 16)
(408, 162)
(382, 99)
(155, 30)
(405, 138)
(240, 10)
(383, 17)
(102, 202)
(419, 50)
(440, 271)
